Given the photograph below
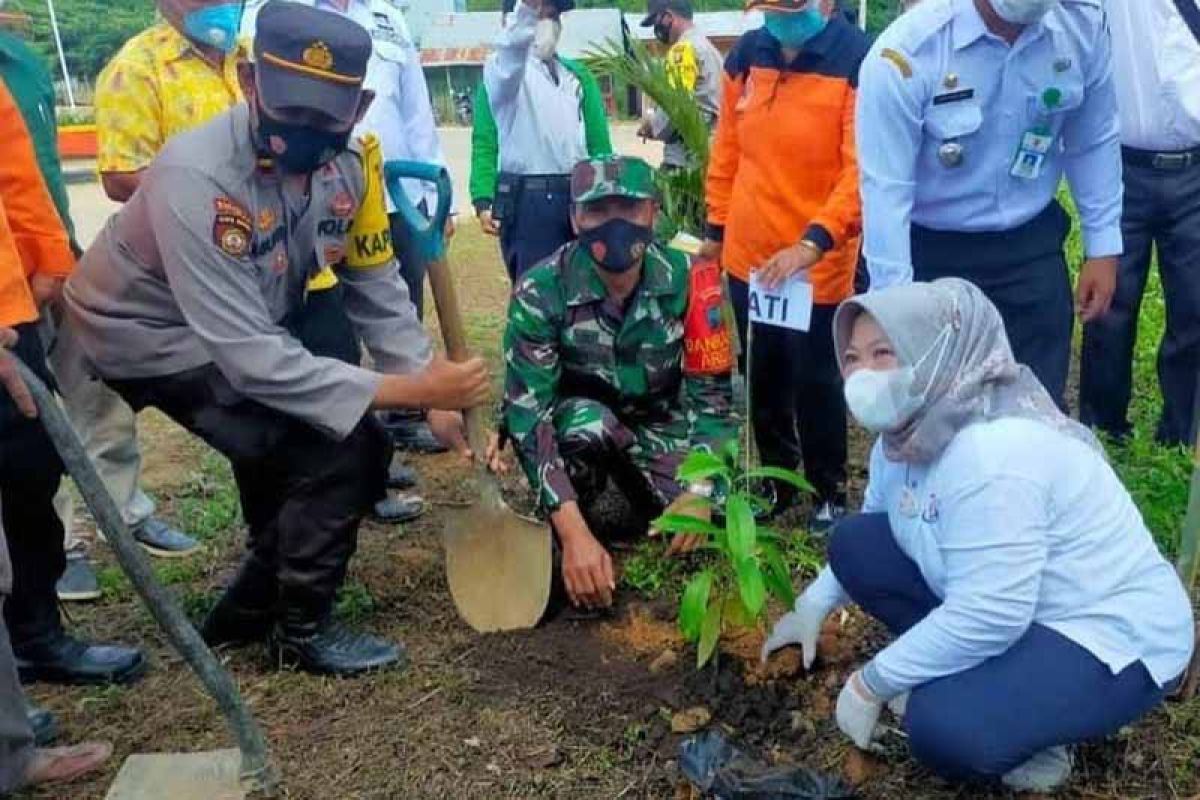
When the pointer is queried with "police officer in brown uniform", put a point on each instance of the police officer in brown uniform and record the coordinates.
(192, 300)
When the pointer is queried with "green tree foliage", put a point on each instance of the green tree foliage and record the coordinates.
(92, 30)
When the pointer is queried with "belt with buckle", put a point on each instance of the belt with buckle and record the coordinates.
(1168, 162)
(545, 183)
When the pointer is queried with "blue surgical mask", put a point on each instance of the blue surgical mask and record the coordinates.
(215, 26)
(794, 29)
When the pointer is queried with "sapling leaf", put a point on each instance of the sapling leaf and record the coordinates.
(735, 613)
(739, 527)
(699, 466)
(776, 574)
(693, 605)
(682, 523)
(710, 633)
(729, 453)
(780, 474)
(751, 587)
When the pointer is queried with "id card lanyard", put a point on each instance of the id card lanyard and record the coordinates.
(1036, 142)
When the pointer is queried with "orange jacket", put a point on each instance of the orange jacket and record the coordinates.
(32, 237)
(783, 166)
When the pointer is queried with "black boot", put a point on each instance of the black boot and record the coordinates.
(246, 611)
(327, 647)
(58, 658)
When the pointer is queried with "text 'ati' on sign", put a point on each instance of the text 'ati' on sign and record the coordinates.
(788, 305)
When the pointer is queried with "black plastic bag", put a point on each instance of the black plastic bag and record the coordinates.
(722, 772)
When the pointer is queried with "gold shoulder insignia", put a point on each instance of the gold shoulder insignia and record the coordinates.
(899, 60)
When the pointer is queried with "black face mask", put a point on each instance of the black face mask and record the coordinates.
(305, 149)
(617, 245)
(662, 30)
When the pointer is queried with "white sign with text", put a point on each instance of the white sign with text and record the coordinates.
(788, 305)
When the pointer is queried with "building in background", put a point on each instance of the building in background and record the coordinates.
(454, 46)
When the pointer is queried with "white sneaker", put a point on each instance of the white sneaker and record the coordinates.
(1044, 772)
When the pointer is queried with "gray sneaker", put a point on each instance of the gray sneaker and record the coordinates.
(78, 583)
(161, 540)
(1044, 772)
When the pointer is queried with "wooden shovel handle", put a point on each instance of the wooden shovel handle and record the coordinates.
(445, 298)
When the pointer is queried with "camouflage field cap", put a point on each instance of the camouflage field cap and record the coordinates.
(612, 176)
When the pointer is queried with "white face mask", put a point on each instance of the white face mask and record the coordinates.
(1023, 12)
(881, 401)
(545, 38)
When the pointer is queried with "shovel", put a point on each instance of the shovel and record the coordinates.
(498, 564)
(216, 775)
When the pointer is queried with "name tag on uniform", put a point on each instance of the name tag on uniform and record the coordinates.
(1031, 156)
(953, 97)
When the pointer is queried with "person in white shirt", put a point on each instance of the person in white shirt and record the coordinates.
(1030, 606)
(537, 115)
(1156, 55)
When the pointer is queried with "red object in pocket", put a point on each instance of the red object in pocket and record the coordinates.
(707, 348)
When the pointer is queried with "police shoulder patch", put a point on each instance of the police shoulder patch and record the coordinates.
(233, 227)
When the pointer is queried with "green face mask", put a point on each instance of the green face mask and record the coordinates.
(794, 29)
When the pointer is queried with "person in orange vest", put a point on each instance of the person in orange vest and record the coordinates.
(782, 193)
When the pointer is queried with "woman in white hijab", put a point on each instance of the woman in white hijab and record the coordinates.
(1030, 606)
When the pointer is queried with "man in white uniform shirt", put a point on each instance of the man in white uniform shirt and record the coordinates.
(1156, 54)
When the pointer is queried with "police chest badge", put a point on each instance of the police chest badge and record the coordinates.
(232, 227)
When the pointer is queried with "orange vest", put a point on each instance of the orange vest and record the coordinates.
(784, 166)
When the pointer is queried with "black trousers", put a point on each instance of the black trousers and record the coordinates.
(1162, 213)
(303, 494)
(536, 225)
(797, 407)
(1024, 272)
(30, 471)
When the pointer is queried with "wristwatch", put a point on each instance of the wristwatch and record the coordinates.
(813, 246)
(700, 489)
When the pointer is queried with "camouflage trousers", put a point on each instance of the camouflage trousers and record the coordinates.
(640, 458)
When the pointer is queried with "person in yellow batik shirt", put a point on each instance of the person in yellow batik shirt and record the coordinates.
(171, 77)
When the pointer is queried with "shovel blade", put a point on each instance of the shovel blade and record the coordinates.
(179, 776)
(498, 565)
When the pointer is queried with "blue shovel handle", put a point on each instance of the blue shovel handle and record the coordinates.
(428, 234)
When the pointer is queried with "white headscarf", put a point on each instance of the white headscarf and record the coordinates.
(964, 366)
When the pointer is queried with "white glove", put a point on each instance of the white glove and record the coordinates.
(801, 626)
(858, 711)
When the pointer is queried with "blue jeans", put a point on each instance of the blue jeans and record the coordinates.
(976, 725)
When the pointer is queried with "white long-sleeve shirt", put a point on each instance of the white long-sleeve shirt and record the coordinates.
(1156, 61)
(536, 105)
(1016, 523)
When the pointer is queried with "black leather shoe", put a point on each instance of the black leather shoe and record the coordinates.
(414, 436)
(401, 476)
(63, 659)
(235, 626)
(398, 509)
(45, 728)
(331, 648)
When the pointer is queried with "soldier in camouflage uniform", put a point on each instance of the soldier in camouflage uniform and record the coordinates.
(618, 363)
